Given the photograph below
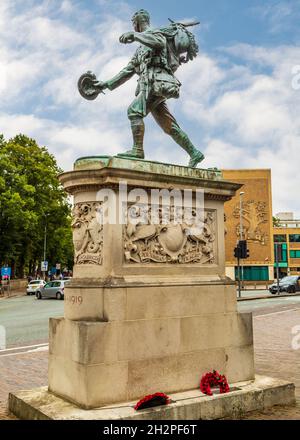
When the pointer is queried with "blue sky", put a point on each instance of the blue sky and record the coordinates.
(237, 100)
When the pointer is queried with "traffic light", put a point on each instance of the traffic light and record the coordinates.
(241, 250)
(243, 247)
(237, 252)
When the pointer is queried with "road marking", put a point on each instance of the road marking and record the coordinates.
(25, 347)
(24, 350)
(276, 313)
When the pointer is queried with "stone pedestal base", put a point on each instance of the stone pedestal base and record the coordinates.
(262, 393)
(149, 308)
(150, 339)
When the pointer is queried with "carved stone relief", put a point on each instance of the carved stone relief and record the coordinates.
(172, 242)
(254, 213)
(87, 233)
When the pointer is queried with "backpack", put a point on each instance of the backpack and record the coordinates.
(181, 44)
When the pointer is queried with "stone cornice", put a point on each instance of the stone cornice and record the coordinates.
(95, 179)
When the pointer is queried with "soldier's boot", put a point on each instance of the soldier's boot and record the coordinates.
(182, 139)
(138, 130)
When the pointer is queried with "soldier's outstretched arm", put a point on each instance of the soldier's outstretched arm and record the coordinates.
(119, 79)
(152, 39)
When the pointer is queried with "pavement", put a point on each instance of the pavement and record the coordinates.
(274, 321)
(12, 293)
(24, 363)
(274, 352)
(18, 372)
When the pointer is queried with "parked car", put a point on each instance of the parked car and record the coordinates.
(290, 284)
(33, 285)
(53, 289)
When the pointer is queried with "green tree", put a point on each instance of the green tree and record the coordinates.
(276, 222)
(30, 197)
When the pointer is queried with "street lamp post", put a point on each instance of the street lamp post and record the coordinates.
(45, 243)
(277, 267)
(241, 235)
(241, 215)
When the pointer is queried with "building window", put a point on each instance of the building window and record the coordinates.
(280, 239)
(294, 238)
(294, 254)
(294, 270)
(282, 252)
(254, 273)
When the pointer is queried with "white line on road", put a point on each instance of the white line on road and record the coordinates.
(29, 349)
(25, 347)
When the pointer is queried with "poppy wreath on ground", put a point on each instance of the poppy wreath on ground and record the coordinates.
(152, 400)
(214, 379)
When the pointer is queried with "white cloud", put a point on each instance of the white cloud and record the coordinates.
(255, 114)
(3, 76)
(42, 58)
(239, 106)
(66, 6)
(201, 76)
(14, 124)
(52, 35)
(279, 15)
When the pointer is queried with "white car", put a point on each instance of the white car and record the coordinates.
(34, 285)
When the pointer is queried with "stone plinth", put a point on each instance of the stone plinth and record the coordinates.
(149, 308)
(257, 395)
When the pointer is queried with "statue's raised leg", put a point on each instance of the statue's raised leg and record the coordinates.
(136, 113)
(170, 126)
(182, 139)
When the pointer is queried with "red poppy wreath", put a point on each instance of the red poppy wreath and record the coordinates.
(214, 379)
(152, 400)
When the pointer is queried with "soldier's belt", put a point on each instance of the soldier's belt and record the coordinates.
(157, 62)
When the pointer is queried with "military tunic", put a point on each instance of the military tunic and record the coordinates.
(156, 82)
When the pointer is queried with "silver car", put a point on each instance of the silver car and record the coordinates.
(52, 289)
(33, 286)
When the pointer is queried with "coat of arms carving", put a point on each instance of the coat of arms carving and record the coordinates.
(171, 242)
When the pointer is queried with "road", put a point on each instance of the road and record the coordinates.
(267, 306)
(26, 319)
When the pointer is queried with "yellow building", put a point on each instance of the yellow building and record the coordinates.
(257, 224)
(287, 244)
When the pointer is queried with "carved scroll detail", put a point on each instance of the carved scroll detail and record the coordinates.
(87, 233)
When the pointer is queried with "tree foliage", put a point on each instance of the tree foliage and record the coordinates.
(31, 198)
(276, 222)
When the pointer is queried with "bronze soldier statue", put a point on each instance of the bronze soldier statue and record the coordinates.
(155, 61)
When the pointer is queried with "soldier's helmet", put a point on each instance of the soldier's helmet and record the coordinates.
(142, 14)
